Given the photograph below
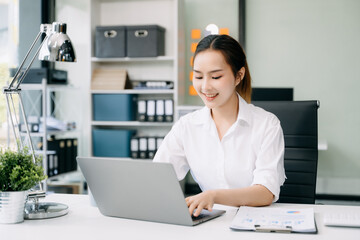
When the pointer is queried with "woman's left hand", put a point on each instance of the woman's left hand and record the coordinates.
(204, 200)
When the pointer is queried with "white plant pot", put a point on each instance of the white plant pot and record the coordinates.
(12, 206)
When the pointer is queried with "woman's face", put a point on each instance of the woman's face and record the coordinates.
(213, 78)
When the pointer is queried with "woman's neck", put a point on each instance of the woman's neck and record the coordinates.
(225, 116)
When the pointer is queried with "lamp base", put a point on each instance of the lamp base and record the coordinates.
(43, 210)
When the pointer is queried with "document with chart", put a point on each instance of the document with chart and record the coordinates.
(271, 219)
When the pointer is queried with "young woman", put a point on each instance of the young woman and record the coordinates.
(234, 150)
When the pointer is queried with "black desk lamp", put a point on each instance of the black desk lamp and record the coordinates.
(56, 46)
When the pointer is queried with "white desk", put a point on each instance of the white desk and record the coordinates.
(86, 222)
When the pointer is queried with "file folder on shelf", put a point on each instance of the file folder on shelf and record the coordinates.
(150, 110)
(159, 140)
(134, 145)
(51, 165)
(56, 164)
(73, 163)
(169, 110)
(141, 110)
(160, 109)
(151, 147)
(68, 154)
(143, 148)
(58, 145)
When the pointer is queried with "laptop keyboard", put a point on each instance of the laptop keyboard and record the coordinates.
(201, 215)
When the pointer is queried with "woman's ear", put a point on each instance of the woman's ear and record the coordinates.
(240, 76)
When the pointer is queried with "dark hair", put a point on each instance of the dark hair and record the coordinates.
(234, 56)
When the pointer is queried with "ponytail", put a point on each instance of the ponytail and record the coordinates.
(244, 87)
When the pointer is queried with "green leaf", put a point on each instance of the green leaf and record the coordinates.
(18, 172)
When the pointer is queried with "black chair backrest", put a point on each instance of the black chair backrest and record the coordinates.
(272, 94)
(299, 122)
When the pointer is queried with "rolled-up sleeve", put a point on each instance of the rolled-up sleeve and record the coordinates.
(269, 166)
(172, 151)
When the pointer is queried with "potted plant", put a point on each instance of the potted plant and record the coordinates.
(18, 174)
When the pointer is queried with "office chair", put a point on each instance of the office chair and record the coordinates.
(299, 123)
(272, 94)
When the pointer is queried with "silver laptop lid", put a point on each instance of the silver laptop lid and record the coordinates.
(136, 189)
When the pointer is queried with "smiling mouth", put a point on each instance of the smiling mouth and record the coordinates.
(210, 97)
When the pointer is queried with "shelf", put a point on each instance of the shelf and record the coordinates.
(61, 87)
(140, 59)
(126, 158)
(41, 134)
(134, 91)
(190, 107)
(131, 124)
(49, 87)
(42, 152)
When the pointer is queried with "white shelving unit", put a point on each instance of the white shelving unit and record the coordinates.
(140, 59)
(44, 133)
(130, 91)
(166, 13)
(131, 124)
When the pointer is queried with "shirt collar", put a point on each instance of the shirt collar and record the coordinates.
(203, 116)
(244, 113)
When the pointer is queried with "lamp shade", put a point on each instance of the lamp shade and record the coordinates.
(57, 46)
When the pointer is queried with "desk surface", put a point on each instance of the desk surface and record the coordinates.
(86, 222)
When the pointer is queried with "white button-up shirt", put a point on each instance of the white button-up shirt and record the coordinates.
(251, 152)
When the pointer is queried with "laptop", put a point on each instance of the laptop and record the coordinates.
(139, 189)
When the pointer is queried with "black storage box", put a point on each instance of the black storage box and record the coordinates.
(36, 75)
(145, 41)
(110, 41)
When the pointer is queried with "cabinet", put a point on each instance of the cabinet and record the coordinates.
(45, 103)
(165, 13)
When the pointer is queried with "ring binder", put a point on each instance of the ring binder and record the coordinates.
(142, 110)
(160, 110)
(150, 110)
(143, 147)
(169, 110)
(276, 229)
(134, 146)
(151, 147)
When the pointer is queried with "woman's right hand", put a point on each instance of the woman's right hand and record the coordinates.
(204, 200)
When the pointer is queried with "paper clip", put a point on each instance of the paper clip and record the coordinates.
(276, 229)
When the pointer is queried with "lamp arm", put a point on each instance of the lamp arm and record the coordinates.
(22, 64)
(44, 28)
(28, 67)
(13, 124)
(27, 130)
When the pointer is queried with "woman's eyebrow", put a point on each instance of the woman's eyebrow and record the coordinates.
(213, 71)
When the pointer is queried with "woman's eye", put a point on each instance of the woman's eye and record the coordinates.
(197, 77)
(216, 77)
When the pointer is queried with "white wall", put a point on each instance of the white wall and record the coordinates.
(77, 16)
(199, 14)
(313, 46)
